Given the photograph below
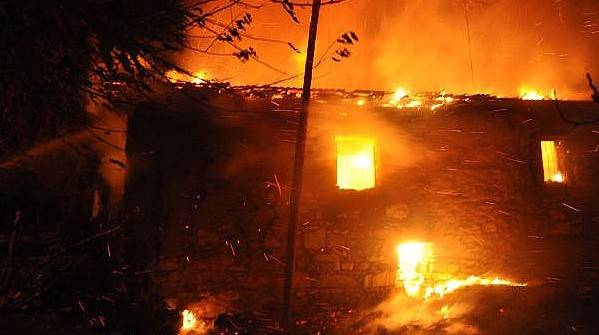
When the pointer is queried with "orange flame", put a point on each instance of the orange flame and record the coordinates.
(415, 274)
(551, 169)
(189, 320)
(175, 76)
(190, 324)
(527, 93)
(403, 98)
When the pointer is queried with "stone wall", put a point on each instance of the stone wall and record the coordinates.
(476, 192)
(466, 178)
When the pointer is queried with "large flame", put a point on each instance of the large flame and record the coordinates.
(188, 320)
(415, 274)
(527, 93)
(422, 45)
(190, 324)
(414, 260)
(355, 163)
(551, 169)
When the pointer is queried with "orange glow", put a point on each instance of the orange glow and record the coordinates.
(432, 54)
(414, 104)
(191, 324)
(404, 99)
(452, 285)
(399, 94)
(415, 274)
(530, 94)
(189, 320)
(551, 170)
(175, 76)
(355, 163)
(415, 259)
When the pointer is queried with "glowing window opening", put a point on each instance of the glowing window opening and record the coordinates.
(551, 167)
(356, 168)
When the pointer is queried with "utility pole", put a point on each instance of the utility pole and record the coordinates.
(296, 190)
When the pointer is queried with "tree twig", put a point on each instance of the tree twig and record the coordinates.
(577, 123)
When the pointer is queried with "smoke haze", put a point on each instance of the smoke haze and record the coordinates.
(422, 45)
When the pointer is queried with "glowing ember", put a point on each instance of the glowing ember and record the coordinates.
(189, 320)
(399, 94)
(414, 103)
(355, 163)
(361, 102)
(530, 94)
(404, 99)
(551, 170)
(415, 274)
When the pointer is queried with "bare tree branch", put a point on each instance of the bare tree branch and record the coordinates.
(578, 123)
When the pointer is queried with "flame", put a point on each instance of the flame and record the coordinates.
(452, 285)
(189, 320)
(414, 258)
(414, 103)
(530, 94)
(415, 275)
(175, 76)
(355, 163)
(551, 170)
(557, 177)
(399, 94)
(403, 98)
(190, 324)
(444, 311)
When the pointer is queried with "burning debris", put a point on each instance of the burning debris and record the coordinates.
(189, 320)
(424, 305)
(405, 99)
(417, 276)
(192, 324)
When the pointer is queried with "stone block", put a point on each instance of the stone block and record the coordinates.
(303, 280)
(380, 280)
(489, 227)
(315, 239)
(168, 264)
(397, 212)
(338, 281)
(347, 266)
(328, 262)
(336, 240)
(206, 239)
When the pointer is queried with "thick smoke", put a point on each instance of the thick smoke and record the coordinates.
(423, 45)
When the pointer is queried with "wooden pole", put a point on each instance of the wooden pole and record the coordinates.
(296, 190)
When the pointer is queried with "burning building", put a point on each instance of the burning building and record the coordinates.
(418, 212)
(477, 197)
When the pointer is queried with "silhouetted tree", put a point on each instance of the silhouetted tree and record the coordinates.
(54, 52)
